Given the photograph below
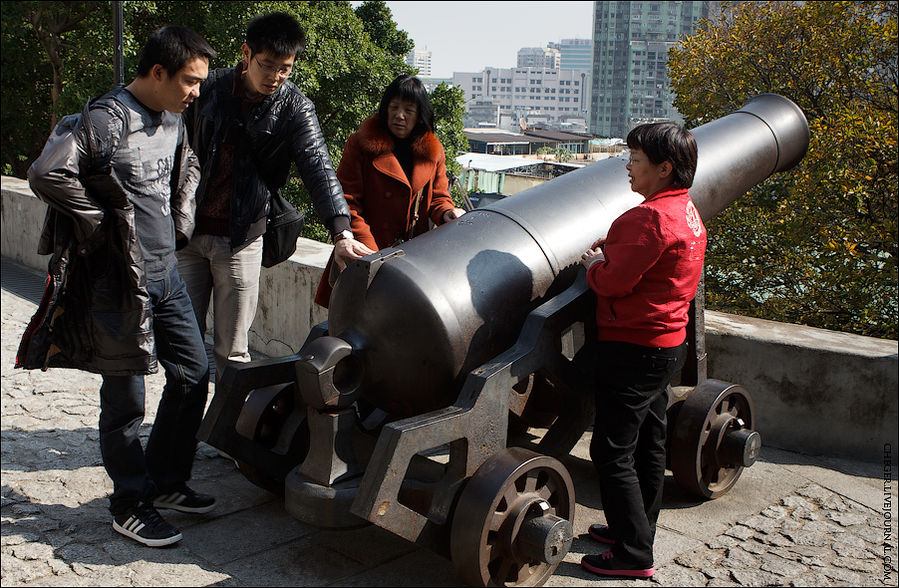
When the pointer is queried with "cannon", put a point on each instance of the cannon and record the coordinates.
(406, 408)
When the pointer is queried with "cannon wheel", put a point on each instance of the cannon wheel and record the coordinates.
(490, 512)
(710, 411)
(265, 419)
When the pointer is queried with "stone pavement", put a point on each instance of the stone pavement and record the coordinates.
(790, 520)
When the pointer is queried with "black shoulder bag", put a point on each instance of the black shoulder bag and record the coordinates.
(282, 229)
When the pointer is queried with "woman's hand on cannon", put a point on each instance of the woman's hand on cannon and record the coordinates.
(452, 214)
(591, 256)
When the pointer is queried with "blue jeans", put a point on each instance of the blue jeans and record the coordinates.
(138, 474)
(628, 444)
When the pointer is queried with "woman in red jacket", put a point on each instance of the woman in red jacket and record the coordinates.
(393, 173)
(644, 273)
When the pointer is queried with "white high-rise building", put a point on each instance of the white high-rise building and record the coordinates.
(421, 60)
(542, 57)
(553, 93)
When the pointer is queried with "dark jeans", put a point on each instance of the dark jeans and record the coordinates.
(628, 445)
(165, 465)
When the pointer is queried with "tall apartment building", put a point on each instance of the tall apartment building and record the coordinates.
(421, 60)
(520, 92)
(539, 57)
(630, 52)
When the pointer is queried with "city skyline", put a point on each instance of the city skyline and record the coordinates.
(469, 36)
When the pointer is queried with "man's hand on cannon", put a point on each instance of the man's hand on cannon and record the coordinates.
(347, 250)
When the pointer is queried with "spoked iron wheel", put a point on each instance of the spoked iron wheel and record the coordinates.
(512, 523)
(713, 438)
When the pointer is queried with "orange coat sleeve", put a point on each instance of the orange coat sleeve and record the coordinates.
(351, 174)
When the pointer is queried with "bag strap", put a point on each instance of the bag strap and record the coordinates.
(91, 143)
(416, 213)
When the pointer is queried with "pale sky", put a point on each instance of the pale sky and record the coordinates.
(469, 36)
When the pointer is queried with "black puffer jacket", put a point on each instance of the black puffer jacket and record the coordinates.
(279, 129)
(96, 313)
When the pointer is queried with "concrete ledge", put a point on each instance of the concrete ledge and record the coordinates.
(23, 220)
(287, 311)
(815, 391)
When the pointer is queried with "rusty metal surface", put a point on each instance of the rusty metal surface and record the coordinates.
(715, 418)
(510, 525)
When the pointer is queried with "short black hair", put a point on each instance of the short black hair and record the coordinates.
(410, 89)
(172, 47)
(667, 141)
(277, 33)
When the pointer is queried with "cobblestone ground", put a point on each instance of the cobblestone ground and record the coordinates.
(56, 529)
(56, 526)
(812, 538)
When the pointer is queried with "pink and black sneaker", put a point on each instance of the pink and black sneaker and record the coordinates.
(601, 533)
(607, 564)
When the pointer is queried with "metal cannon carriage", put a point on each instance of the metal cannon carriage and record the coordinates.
(406, 408)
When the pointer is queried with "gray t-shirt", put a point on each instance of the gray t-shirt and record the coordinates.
(141, 151)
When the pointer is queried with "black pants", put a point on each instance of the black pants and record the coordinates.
(165, 465)
(628, 445)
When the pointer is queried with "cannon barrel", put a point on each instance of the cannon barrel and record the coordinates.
(420, 316)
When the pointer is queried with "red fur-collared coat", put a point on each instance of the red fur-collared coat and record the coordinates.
(379, 194)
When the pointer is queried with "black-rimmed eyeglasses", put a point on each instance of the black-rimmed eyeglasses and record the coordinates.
(282, 71)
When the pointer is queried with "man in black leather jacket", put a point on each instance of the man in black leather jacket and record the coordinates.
(248, 125)
(120, 185)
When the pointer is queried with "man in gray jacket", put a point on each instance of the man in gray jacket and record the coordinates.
(120, 183)
(247, 128)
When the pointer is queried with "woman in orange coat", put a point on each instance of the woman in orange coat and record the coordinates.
(393, 174)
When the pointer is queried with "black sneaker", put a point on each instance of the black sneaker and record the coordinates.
(601, 534)
(143, 524)
(607, 564)
(185, 500)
